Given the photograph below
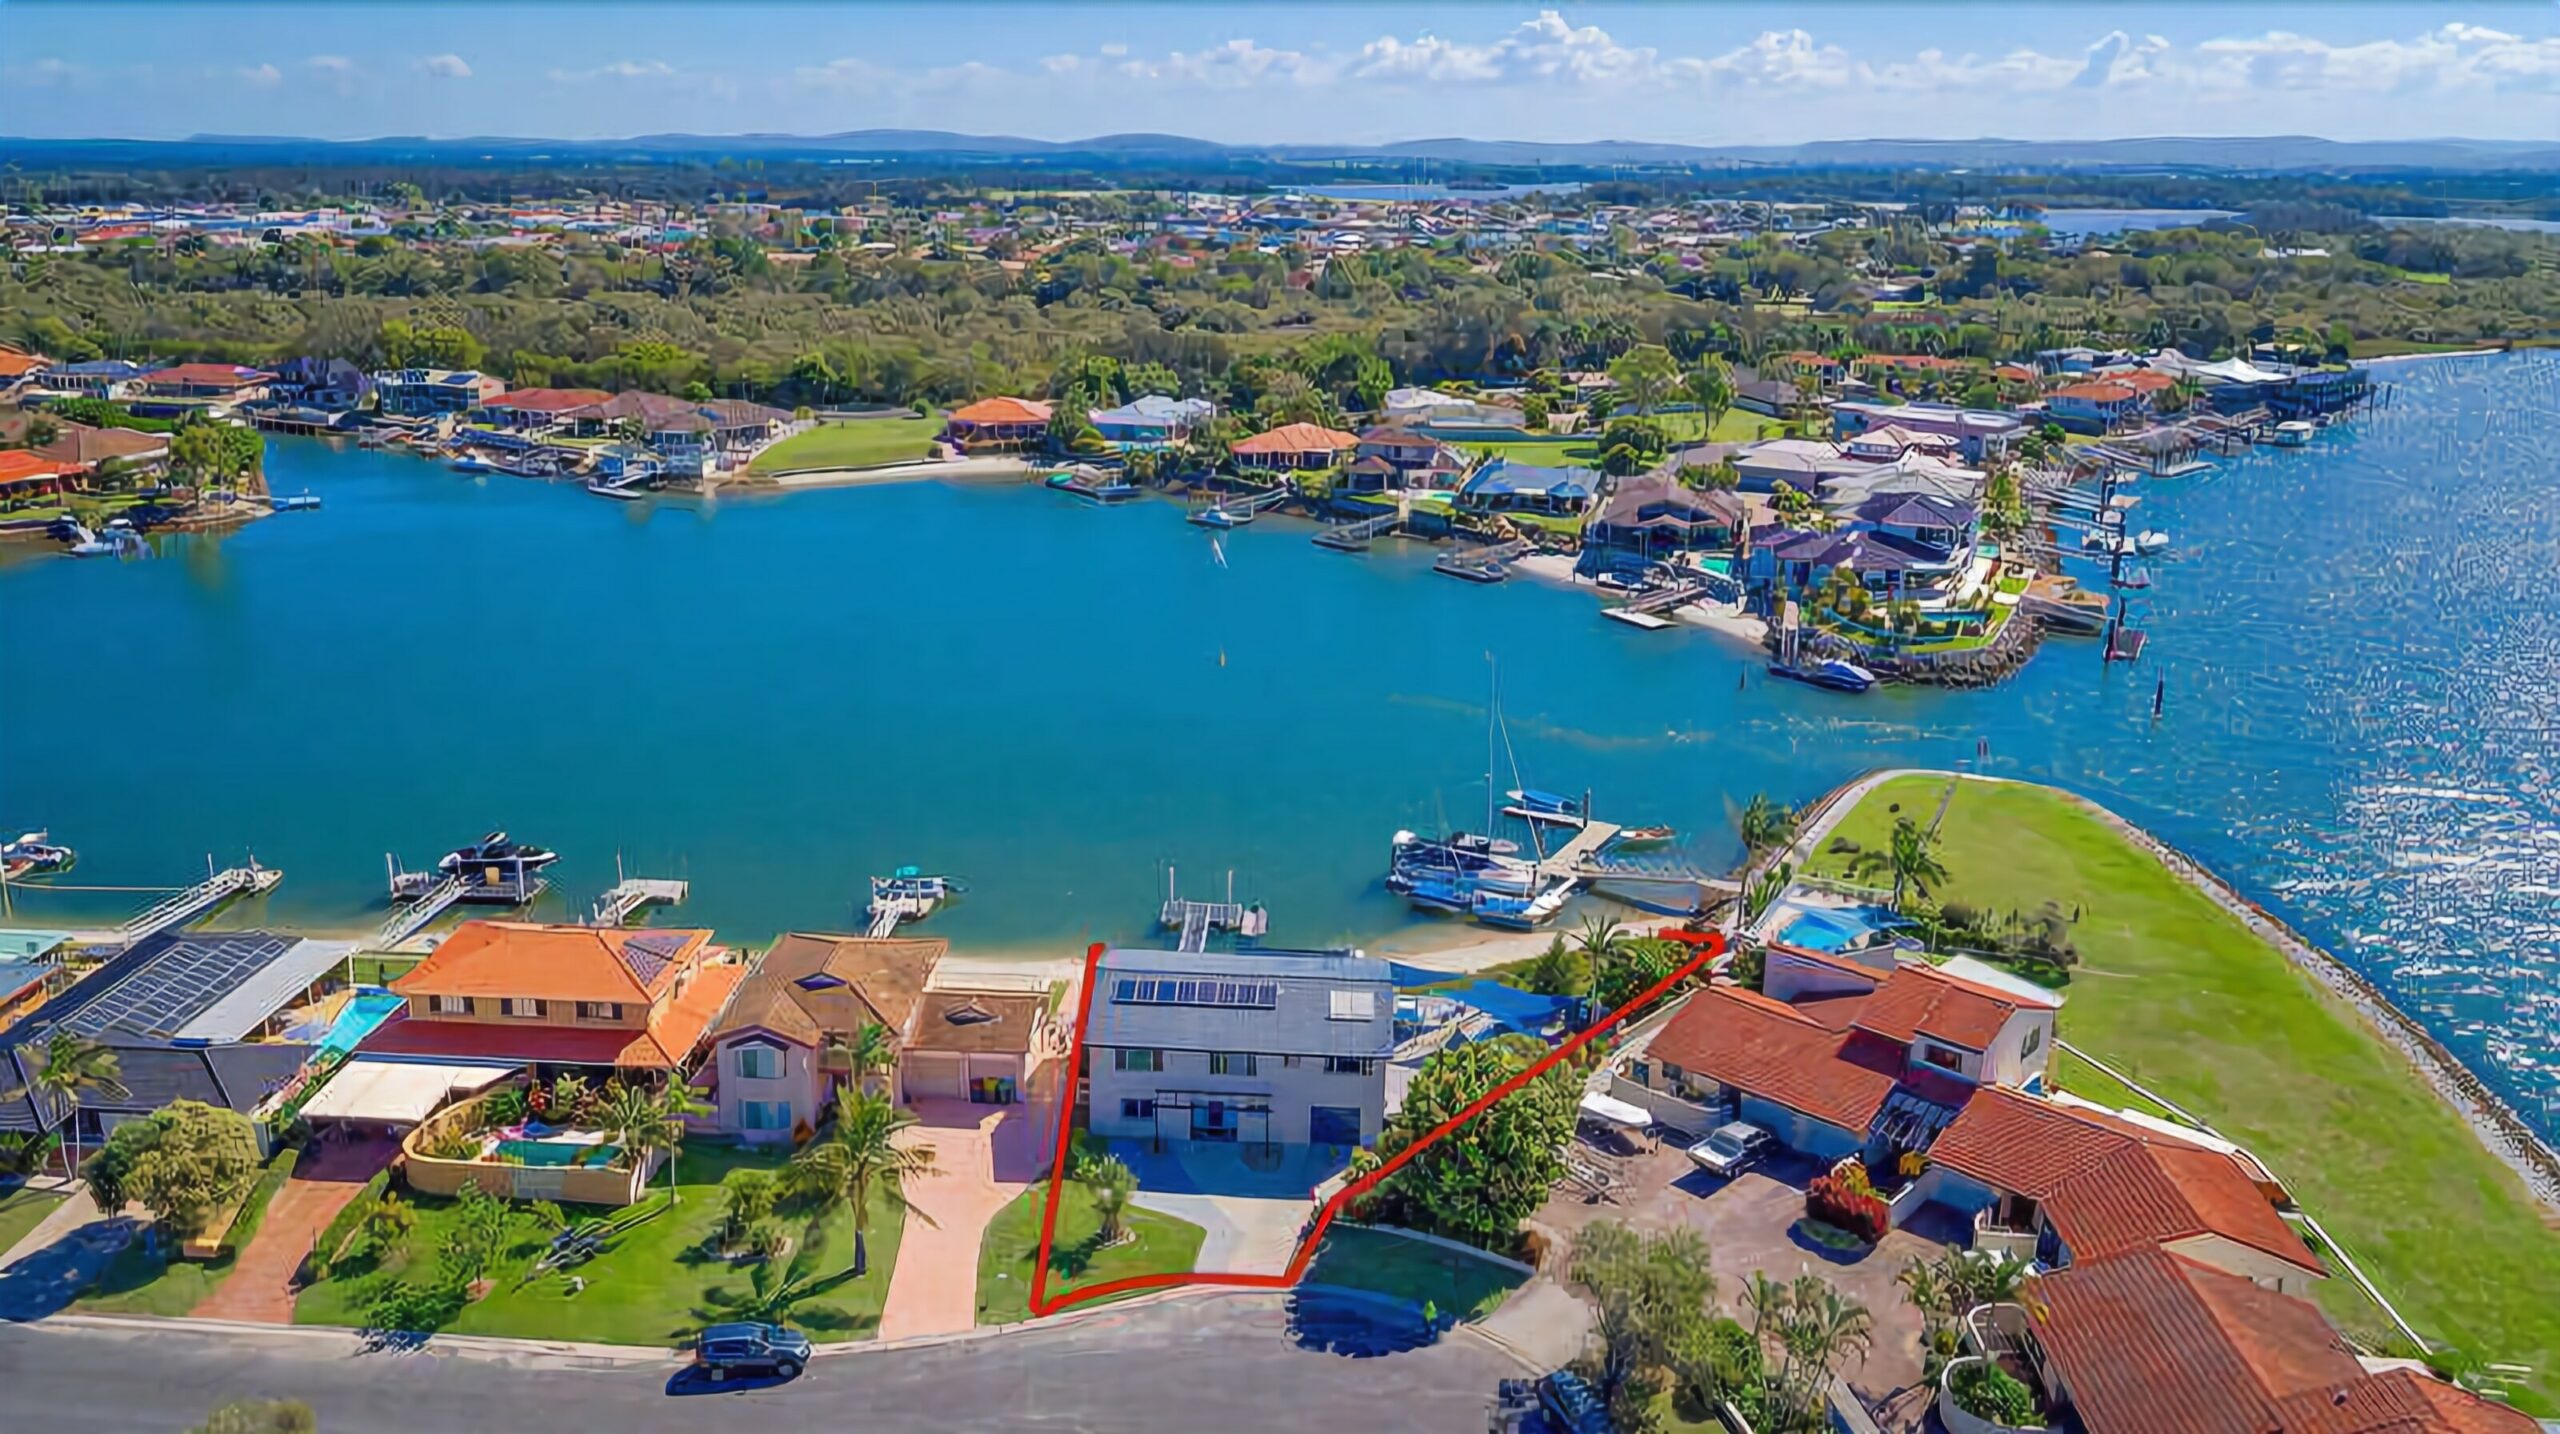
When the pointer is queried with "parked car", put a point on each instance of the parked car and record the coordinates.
(1732, 1149)
(726, 1349)
(1573, 1406)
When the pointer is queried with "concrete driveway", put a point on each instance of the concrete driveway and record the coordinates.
(1749, 1223)
(983, 1157)
(1252, 1206)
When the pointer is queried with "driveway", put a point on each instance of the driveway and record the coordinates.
(1749, 1223)
(1251, 1204)
(983, 1157)
(325, 1181)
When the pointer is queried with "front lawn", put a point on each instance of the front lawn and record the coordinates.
(1456, 1285)
(654, 1284)
(147, 1277)
(21, 1210)
(2176, 993)
(1164, 1245)
(858, 443)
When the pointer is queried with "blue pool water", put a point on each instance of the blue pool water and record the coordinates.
(558, 1152)
(1051, 700)
(358, 1018)
(1835, 928)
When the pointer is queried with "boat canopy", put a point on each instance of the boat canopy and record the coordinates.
(1616, 1111)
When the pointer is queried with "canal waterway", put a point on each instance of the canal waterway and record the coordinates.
(775, 698)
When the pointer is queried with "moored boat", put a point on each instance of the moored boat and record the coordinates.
(1832, 673)
(1654, 835)
(1469, 568)
(2293, 433)
(34, 855)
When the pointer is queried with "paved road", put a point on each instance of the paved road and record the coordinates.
(1210, 1362)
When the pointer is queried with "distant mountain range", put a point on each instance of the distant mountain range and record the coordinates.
(2262, 153)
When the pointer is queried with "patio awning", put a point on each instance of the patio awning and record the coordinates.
(397, 1092)
(1615, 1111)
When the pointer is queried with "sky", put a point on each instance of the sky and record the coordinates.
(1313, 73)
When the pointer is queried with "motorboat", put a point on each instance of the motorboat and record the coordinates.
(1545, 803)
(2150, 541)
(473, 463)
(2293, 433)
(1832, 673)
(1469, 568)
(33, 855)
(1217, 518)
(497, 852)
(295, 502)
(1654, 835)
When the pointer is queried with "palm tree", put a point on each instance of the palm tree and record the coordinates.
(871, 1054)
(73, 1066)
(859, 1156)
(1603, 943)
(1111, 1183)
(1821, 1327)
(1910, 858)
(1765, 824)
(1767, 1301)
(649, 1123)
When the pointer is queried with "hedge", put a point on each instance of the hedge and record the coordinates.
(342, 1225)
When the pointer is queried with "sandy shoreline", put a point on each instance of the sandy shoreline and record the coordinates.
(917, 472)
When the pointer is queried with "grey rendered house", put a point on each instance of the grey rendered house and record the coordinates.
(1264, 1047)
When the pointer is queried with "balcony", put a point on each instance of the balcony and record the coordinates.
(1996, 1232)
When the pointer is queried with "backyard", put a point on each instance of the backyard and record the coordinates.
(1164, 1245)
(861, 443)
(654, 1283)
(2223, 1024)
(1457, 1285)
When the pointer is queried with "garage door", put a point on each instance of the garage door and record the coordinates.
(1333, 1125)
(933, 1075)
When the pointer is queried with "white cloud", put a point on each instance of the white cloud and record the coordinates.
(47, 71)
(445, 67)
(846, 74)
(619, 70)
(265, 77)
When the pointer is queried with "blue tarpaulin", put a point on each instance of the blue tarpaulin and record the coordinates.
(1513, 1007)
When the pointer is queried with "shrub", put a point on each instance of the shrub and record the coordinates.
(1830, 1200)
(451, 1143)
(1986, 1391)
(504, 1107)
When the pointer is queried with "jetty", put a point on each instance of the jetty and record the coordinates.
(908, 896)
(633, 892)
(180, 907)
(419, 897)
(1355, 537)
(1197, 921)
(1234, 510)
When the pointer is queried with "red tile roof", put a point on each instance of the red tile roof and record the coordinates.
(1002, 411)
(2151, 1343)
(554, 963)
(207, 374)
(17, 465)
(2401, 1401)
(2103, 391)
(1920, 1000)
(1299, 438)
(2110, 1186)
(14, 364)
(665, 1044)
(1742, 1038)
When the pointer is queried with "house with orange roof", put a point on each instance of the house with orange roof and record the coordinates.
(993, 425)
(25, 475)
(17, 367)
(2097, 405)
(212, 382)
(1295, 446)
(543, 994)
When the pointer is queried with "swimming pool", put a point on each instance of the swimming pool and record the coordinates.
(1837, 928)
(557, 1152)
(368, 1009)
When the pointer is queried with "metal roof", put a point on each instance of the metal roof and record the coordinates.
(1298, 1019)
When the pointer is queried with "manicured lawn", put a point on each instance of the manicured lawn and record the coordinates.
(151, 1280)
(2176, 993)
(2069, 1072)
(1458, 1285)
(1005, 1259)
(21, 1211)
(380, 970)
(861, 443)
(1733, 426)
(652, 1285)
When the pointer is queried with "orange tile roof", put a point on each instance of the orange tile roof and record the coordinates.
(1002, 411)
(208, 373)
(2145, 380)
(14, 364)
(1744, 1039)
(1920, 1000)
(2108, 1185)
(17, 465)
(1299, 438)
(2102, 391)
(547, 400)
(548, 962)
(2401, 1401)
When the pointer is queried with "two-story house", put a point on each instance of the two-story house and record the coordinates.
(780, 1050)
(536, 993)
(426, 392)
(1269, 1047)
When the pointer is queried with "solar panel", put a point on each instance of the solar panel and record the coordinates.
(651, 952)
(1172, 991)
(179, 984)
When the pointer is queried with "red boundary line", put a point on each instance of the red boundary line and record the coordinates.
(1707, 948)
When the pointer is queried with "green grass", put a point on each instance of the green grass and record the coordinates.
(1457, 1284)
(2420, 276)
(154, 1281)
(20, 1211)
(651, 1286)
(381, 970)
(1164, 1245)
(2176, 993)
(861, 443)
(2069, 1072)
(1734, 425)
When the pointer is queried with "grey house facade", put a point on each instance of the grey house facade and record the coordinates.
(1257, 1047)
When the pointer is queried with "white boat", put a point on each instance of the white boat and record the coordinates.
(2151, 540)
(2293, 433)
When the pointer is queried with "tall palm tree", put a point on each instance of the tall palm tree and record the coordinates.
(650, 1123)
(72, 1067)
(871, 1055)
(859, 1157)
(1766, 825)
(1910, 857)
(1821, 1328)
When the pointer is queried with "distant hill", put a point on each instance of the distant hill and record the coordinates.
(2269, 153)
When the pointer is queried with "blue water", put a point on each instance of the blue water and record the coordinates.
(557, 1152)
(357, 1019)
(1837, 928)
(2081, 223)
(779, 698)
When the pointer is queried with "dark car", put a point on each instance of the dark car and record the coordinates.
(726, 1349)
(1573, 1406)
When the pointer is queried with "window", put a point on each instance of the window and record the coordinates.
(1641, 1072)
(1347, 1065)
(522, 1006)
(759, 1063)
(449, 1005)
(599, 1010)
(764, 1114)
(1352, 1005)
(1222, 1063)
(2033, 1043)
(1126, 1060)
(1943, 1058)
(1137, 1110)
